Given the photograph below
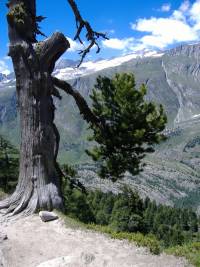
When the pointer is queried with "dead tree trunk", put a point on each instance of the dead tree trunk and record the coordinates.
(39, 178)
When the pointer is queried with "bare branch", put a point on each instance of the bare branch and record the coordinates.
(84, 109)
(91, 35)
(56, 93)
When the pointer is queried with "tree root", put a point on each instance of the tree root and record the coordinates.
(27, 202)
(4, 204)
(17, 202)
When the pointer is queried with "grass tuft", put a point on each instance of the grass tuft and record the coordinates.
(190, 251)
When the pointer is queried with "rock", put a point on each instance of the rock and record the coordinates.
(60, 262)
(85, 259)
(47, 216)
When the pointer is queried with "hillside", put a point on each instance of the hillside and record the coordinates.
(172, 172)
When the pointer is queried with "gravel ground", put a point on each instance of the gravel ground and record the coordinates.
(33, 243)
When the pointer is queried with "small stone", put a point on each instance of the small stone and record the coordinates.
(87, 257)
(3, 237)
(47, 216)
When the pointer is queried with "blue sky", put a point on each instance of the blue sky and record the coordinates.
(131, 25)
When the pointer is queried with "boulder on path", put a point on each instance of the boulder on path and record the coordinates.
(47, 216)
(72, 261)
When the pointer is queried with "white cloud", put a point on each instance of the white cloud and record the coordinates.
(195, 12)
(164, 31)
(74, 45)
(4, 68)
(108, 32)
(152, 41)
(184, 6)
(183, 25)
(126, 45)
(194, 15)
(178, 15)
(112, 31)
(7, 58)
(119, 44)
(166, 7)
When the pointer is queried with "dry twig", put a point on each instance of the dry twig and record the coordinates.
(91, 35)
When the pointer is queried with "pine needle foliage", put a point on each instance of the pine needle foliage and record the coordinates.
(9, 164)
(131, 125)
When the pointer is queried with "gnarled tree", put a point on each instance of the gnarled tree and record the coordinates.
(39, 175)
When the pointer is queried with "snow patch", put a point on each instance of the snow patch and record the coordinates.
(91, 67)
(196, 116)
(6, 81)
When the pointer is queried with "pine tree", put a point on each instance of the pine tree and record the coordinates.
(9, 164)
(130, 125)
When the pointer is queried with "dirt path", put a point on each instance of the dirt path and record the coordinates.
(33, 243)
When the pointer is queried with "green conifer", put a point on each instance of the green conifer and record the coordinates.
(131, 125)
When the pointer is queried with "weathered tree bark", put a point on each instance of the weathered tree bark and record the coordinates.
(39, 178)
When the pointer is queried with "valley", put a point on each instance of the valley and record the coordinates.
(172, 173)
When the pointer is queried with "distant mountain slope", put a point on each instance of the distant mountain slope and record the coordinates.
(172, 173)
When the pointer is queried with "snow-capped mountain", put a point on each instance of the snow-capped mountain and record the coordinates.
(66, 69)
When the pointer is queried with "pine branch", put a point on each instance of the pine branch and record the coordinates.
(91, 35)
